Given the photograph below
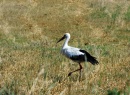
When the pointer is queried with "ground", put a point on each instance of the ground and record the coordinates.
(30, 59)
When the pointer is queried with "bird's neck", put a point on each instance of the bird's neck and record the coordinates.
(66, 43)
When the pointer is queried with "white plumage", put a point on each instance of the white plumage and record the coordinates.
(71, 52)
(76, 54)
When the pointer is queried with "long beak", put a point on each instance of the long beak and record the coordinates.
(61, 39)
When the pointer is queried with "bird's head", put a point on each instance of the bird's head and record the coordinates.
(66, 35)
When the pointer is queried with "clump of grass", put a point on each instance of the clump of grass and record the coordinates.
(116, 14)
(10, 88)
(99, 13)
(118, 92)
(127, 15)
(113, 92)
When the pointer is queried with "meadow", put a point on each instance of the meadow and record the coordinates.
(30, 59)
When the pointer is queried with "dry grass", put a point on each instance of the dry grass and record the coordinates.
(30, 61)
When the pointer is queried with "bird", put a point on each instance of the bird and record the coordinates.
(76, 54)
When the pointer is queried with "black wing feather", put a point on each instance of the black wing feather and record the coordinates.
(78, 58)
(90, 58)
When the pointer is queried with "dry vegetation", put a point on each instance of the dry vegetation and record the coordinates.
(31, 63)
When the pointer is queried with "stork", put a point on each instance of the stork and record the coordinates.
(76, 54)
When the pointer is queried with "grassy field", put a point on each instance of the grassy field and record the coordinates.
(30, 60)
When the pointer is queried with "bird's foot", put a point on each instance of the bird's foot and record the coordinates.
(69, 74)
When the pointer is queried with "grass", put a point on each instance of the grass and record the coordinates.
(30, 60)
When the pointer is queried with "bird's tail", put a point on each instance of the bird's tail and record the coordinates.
(90, 58)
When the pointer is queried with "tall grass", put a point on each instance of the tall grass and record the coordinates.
(30, 59)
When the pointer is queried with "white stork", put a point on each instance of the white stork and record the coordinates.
(76, 54)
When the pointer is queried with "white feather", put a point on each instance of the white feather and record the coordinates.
(71, 51)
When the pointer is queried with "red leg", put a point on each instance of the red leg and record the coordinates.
(76, 71)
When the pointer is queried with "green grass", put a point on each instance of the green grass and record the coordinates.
(30, 60)
(127, 15)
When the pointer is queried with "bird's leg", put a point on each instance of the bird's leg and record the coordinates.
(76, 71)
(80, 71)
(79, 75)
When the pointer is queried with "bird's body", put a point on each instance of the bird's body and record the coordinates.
(76, 54)
(73, 53)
